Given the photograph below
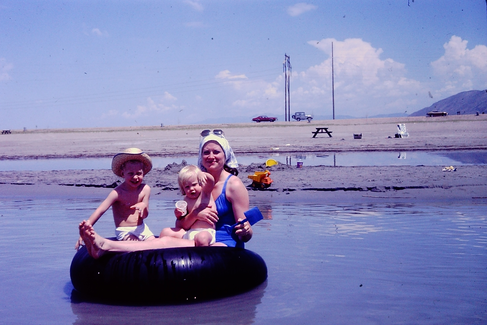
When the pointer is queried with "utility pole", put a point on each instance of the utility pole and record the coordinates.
(286, 66)
(332, 82)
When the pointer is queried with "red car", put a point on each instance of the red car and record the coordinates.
(264, 118)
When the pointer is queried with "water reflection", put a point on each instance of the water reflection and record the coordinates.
(346, 263)
(411, 158)
(266, 211)
(472, 157)
(375, 263)
(390, 158)
(239, 309)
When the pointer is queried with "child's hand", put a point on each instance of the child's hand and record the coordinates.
(206, 181)
(178, 213)
(141, 208)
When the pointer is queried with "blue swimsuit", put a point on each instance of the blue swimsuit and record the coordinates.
(225, 216)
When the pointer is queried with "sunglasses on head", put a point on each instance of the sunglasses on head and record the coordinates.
(204, 133)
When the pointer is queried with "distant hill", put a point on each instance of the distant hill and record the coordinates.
(467, 102)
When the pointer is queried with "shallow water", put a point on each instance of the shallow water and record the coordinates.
(376, 158)
(330, 263)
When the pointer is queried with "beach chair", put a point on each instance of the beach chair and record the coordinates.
(401, 131)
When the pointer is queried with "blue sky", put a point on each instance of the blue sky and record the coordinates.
(141, 63)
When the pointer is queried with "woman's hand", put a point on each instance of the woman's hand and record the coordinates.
(244, 231)
(208, 215)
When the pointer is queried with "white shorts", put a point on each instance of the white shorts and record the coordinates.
(193, 232)
(142, 232)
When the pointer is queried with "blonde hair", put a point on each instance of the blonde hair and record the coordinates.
(185, 174)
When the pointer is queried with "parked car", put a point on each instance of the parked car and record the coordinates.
(436, 113)
(264, 118)
(298, 116)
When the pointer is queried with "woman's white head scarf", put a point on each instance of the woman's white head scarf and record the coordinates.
(230, 159)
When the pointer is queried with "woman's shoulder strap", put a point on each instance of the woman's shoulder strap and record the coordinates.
(225, 184)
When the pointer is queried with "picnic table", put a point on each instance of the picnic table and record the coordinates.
(321, 130)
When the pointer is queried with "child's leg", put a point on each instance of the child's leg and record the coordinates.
(172, 232)
(203, 238)
(97, 245)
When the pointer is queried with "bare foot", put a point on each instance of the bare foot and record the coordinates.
(94, 242)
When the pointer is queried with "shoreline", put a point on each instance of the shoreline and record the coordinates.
(307, 184)
(290, 184)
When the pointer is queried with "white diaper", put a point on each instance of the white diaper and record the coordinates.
(193, 232)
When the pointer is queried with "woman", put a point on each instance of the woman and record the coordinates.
(216, 157)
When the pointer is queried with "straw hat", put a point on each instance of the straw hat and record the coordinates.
(131, 154)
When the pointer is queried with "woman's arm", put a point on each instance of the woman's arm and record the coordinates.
(203, 213)
(238, 195)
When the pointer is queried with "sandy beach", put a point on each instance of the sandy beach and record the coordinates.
(466, 132)
(365, 244)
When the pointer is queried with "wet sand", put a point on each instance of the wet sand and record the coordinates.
(466, 132)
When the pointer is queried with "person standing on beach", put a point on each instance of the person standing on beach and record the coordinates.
(130, 200)
(231, 197)
(196, 186)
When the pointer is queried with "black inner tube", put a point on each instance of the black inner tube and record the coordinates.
(172, 275)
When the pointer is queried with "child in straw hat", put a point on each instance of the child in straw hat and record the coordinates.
(130, 200)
